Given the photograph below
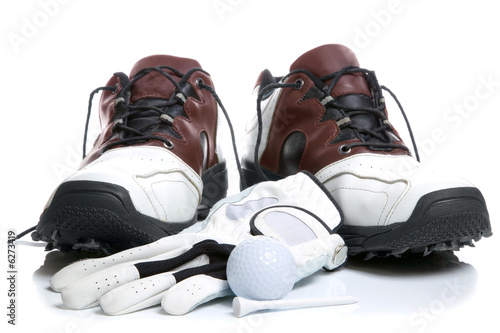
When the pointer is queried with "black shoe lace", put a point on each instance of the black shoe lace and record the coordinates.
(127, 111)
(380, 133)
(202, 85)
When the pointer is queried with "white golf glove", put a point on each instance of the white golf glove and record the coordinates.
(189, 269)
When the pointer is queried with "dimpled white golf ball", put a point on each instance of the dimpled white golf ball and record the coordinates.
(261, 268)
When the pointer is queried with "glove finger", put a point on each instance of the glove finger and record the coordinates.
(198, 285)
(150, 289)
(204, 257)
(166, 247)
(85, 293)
(156, 278)
(191, 292)
(136, 295)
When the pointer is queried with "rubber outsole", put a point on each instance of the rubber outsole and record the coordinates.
(100, 217)
(448, 219)
(443, 220)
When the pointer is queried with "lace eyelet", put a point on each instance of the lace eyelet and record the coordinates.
(117, 123)
(199, 81)
(299, 83)
(119, 100)
(168, 144)
(344, 149)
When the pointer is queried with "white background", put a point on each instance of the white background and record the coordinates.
(438, 58)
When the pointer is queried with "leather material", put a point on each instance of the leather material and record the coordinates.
(265, 78)
(201, 117)
(378, 190)
(155, 85)
(301, 110)
(159, 183)
(331, 58)
(305, 116)
(198, 115)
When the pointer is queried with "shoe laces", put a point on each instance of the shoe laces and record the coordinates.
(382, 133)
(126, 111)
(150, 115)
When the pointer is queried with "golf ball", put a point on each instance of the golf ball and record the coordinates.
(261, 268)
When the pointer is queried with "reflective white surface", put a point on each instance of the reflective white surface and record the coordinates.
(413, 294)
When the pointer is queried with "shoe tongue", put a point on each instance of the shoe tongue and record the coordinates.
(328, 59)
(155, 85)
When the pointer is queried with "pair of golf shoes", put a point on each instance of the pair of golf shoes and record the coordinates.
(156, 168)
